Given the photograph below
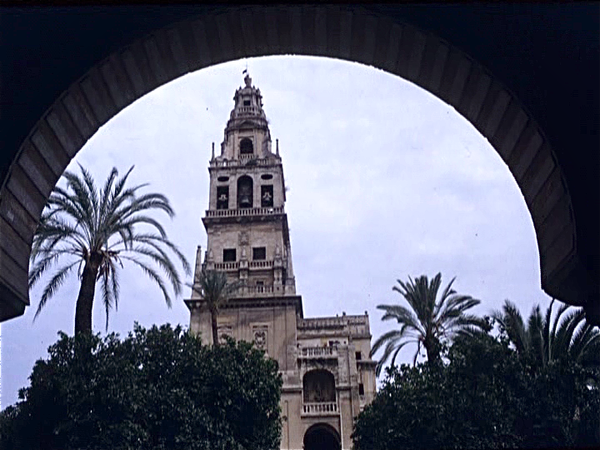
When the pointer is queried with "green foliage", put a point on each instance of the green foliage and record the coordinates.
(157, 389)
(429, 322)
(542, 340)
(487, 396)
(94, 231)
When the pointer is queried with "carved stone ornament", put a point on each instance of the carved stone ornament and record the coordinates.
(244, 238)
(260, 337)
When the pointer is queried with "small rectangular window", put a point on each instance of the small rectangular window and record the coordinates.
(229, 255)
(361, 389)
(259, 253)
(358, 356)
(246, 102)
(260, 283)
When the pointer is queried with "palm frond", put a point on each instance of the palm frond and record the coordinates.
(55, 282)
(153, 275)
(107, 292)
(140, 219)
(384, 339)
(161, 258)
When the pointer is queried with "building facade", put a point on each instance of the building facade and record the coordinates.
(328, 376)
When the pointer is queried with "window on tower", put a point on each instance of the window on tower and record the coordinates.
(229, 255)
(244, 194)
(266, 196)
(259, 253)
(246, 147)
(222, 197)
(246, 102)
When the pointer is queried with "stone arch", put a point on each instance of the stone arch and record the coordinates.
(318, 386)
(321, 436)
(246, 146)
(348, 33)
(245, 192)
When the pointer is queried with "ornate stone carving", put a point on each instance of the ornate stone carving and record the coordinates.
(244, 237)
(260, 334)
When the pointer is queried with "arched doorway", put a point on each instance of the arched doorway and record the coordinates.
(321, 437)
(346, 33)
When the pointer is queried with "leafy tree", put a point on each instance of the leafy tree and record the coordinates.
(429, 322)
(157, 389)
(213, 287)
(96, 230)
(486, 396)
(545, 340)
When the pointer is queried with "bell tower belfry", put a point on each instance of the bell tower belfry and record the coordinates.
(246, 223)
(327, 374)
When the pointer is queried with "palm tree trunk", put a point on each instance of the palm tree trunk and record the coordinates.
(432, 349)
(215, 330)
(85, 299)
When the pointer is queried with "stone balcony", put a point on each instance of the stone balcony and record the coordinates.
(245, 161)
(267, 291)
(318, 353)
(244, 212)
(235, 265)
(320, 409)
(247, 110)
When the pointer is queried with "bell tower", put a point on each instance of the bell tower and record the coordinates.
(246, 223)
(327, 374)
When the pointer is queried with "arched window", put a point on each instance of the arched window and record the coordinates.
(319, 386)
(244, 192)
(246, 147)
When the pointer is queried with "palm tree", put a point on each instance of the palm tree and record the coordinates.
(213, 288)
(95, 231)
(545, 340)
(429, 322)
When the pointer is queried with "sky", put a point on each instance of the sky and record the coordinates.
(385, 181)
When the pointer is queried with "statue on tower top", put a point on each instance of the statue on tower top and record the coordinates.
(247, 79)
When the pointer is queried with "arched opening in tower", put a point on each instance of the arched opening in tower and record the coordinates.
(244, 192)
(246, 147)
(319, 386)
(321, 437)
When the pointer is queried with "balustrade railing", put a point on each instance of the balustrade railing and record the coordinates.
(261, 264)
(248, 110)
(320, 408)
(227, 265)
(259, 162)
(318, 352)
(276, 290)
(244, 212)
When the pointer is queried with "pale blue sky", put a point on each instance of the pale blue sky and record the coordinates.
(385, 181)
